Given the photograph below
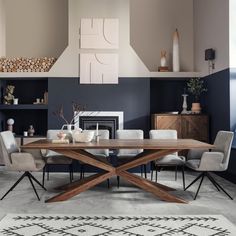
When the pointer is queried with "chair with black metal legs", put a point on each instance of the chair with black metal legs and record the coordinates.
(99, 153)
(53, 158)
(216, 160)
(170, 160)
(15, 160)
(124, 154)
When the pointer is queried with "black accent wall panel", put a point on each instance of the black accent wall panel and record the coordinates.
(131, 95)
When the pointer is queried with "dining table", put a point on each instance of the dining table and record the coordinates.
(152, 150)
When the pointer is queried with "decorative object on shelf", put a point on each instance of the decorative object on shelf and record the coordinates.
(9, 97)
(10, 123)
(176, 63)
(25, 133)
(15, 101)
(196, 88)
(45, 97)
(185, 104)
(163, 62)
(31, 131)
(26, 64)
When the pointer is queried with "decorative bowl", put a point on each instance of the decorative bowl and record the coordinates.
(84, 136)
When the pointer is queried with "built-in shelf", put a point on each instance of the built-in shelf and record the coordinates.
(5, 75)
(31, 75)
(178, 75)
(24, 107)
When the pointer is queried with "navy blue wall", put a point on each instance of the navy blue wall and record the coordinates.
(166, 95)
(131, 96)
(218, 102)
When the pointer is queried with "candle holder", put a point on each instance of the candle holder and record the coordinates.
(97, 138)
(185, 105)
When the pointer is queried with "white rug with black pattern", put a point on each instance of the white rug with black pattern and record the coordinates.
(74, 225)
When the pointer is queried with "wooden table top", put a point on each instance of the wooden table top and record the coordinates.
(148, 144)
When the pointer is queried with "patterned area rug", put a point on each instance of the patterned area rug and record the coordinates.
(74, 225)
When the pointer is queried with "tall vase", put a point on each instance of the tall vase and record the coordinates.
(176, 64)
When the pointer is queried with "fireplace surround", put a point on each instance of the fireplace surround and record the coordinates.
(107, 120)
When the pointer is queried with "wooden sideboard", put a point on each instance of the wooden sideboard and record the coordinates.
(187, 126)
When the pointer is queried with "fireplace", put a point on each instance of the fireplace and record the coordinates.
(106, 120)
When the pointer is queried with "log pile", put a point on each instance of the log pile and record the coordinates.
(26, 64)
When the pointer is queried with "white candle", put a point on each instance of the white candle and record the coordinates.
(97, 129)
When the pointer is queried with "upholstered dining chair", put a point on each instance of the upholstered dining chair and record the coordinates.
(54, 158)
(215, 160)
(169, 160)
(99, 153)
(15, 160)
(123, 154)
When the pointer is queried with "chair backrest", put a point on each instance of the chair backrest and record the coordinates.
(163, 134)
(103, 134)
(223, 143)
(129, 134)
(8, 146)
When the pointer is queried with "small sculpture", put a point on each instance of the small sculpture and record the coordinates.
(31, 130)
(9, 97)
(10, 123)
(163, 62)
(163, 59)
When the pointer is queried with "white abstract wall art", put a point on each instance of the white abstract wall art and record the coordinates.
(99, 33)
(98, 68)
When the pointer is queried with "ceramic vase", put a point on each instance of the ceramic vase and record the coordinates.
(196, 108)
(176, 64)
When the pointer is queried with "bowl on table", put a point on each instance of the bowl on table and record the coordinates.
(83, 137)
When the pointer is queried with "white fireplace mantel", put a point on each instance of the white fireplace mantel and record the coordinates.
(119, 114)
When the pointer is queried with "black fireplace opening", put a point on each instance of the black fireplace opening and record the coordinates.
(110, 123)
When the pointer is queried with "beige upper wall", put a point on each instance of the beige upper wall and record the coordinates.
(2, 29)
(36, 28)
(211, 27)
(152, 25)
(130, 64)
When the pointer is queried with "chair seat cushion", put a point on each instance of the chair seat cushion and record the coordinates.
(171, 160)
(193, 164)
(58, 159)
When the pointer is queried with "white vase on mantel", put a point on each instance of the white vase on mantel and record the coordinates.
(176, 64)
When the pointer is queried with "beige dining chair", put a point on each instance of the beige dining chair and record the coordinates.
(169, 160)
(215, 160)
(53, 158)
(15, 160)
(123, 154)
(98, 153)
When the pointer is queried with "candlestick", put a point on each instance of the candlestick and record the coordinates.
(97, 129)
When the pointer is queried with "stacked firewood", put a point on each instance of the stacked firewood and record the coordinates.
(26, 64)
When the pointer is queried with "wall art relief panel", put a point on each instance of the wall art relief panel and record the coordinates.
(99, 68)
(99, 33)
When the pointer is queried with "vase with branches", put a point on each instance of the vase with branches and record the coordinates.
(69, 123)
(196, 88)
